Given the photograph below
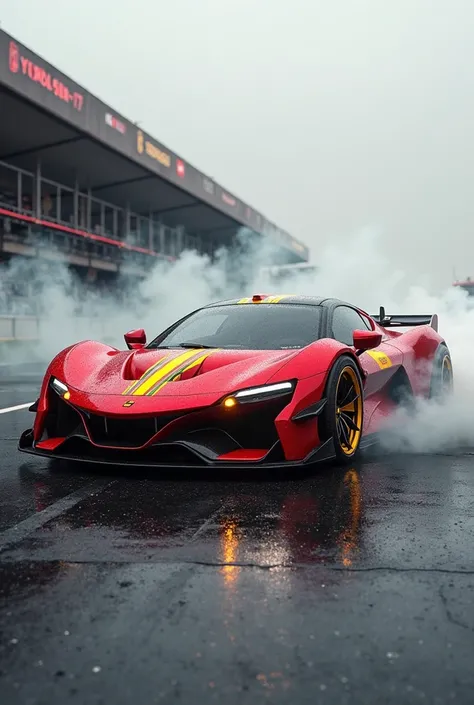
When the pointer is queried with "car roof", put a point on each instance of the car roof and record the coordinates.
(290, 299)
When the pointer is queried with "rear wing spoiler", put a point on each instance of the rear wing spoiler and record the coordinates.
(402, 321)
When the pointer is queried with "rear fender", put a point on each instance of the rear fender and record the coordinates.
(419, 347)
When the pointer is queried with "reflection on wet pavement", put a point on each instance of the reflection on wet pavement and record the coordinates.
(312, 521)
(341, 585)
(356, 516)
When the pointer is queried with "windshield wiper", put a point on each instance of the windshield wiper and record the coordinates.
(194, 345)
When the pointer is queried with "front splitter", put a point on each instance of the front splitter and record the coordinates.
(323, 453)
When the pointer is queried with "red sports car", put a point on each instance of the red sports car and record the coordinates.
(265, 381)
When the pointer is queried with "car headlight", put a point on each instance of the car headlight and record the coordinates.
(60, 388)
(253, 394)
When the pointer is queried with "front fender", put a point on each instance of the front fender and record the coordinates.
(311, 367)
(74, 361)
(317, 358)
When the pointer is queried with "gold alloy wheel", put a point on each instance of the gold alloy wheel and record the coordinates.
(446, 375)
(348, 411)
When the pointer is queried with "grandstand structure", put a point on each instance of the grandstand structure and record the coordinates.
(80, 181)
(466, 285)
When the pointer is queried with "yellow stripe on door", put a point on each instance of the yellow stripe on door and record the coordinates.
(380, 358)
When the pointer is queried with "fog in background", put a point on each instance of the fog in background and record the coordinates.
(347, 123)
(326, 116)
(171, 291)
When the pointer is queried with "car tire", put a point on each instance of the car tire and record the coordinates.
(441, 385)
(343, 415)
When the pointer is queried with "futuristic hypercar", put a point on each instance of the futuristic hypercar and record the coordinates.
(265, 381)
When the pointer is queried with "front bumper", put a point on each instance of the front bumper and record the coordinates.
(178, 454)
(247, 434)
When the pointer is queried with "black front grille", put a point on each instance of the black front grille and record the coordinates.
(251, 425)
(155, 455)
(62, 419)
(125, 433)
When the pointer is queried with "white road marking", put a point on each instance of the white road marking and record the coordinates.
(24, 528)
(15, 408)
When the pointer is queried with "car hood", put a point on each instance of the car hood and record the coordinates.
(98, 369)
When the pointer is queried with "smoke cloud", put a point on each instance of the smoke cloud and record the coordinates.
(359, 271)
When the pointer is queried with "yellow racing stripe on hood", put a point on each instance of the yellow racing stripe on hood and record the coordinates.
(165, 370)
(176, 373)
(147, 374)
(171, 366)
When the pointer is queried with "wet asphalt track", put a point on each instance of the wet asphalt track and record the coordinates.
(339, 586)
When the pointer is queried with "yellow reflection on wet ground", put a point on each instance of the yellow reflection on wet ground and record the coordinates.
(229, 550)
(349, 538)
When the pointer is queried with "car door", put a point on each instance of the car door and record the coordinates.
(380, 363)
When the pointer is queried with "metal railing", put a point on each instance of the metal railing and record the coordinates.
(33, 328)
(34, 199)
(19, 328)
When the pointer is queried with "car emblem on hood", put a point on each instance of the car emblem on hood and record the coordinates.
(129, 403)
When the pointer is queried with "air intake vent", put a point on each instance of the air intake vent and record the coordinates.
(124, 433)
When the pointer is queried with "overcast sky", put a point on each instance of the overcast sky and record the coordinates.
(326, 115)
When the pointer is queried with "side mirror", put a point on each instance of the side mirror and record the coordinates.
(366, 339)
(135, 339)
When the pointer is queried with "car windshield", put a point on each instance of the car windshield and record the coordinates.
(246, 326)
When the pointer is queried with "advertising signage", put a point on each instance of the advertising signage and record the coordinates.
(38, 81)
